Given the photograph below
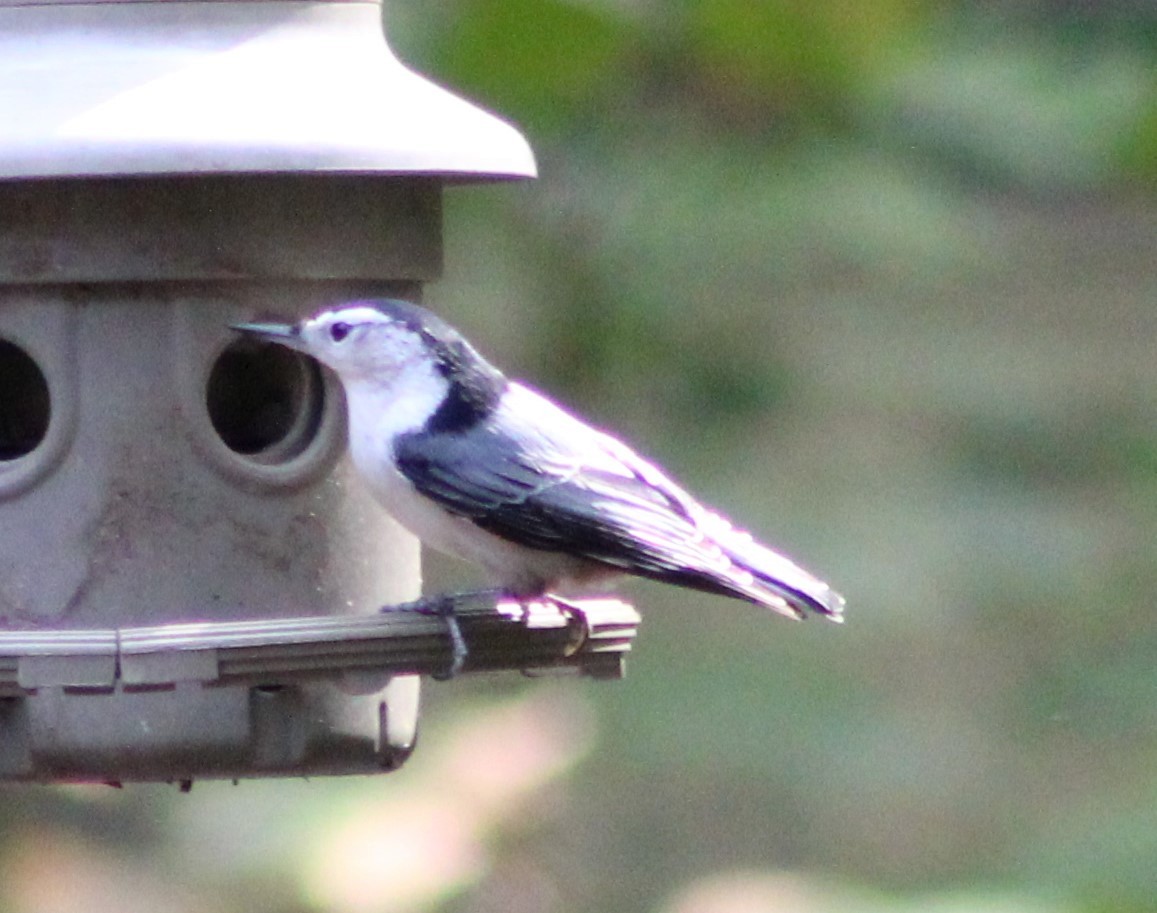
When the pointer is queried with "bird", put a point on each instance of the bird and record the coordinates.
(491, 471)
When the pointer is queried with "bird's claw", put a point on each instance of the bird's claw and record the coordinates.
(458, 648)
(444, 608)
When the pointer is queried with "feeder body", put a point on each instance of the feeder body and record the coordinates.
(167, 169)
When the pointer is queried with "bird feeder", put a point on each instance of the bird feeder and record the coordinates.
(189, 568)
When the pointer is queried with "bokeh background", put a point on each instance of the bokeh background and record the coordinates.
(880, 280)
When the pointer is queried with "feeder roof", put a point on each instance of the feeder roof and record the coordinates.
(170, 87)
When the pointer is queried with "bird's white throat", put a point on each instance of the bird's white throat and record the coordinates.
(382, 411)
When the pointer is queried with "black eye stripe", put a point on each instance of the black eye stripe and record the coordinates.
(339, 331)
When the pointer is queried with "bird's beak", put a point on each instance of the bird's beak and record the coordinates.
(286, 334)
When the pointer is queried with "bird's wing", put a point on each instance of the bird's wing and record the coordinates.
(562, 486)
(532, 494)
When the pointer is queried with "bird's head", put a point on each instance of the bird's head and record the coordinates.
(394, 348)
(376, 339)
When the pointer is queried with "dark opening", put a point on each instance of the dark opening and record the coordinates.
(264, 400)
(24, 402)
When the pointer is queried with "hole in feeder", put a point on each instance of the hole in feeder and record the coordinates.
(24, 402)
(265, 401)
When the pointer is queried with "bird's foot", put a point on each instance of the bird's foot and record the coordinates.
(444, 606)
(576, 611)
(562, 602)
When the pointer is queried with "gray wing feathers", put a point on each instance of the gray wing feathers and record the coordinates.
(590, 495)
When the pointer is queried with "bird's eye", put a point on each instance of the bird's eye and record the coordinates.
(339, 331)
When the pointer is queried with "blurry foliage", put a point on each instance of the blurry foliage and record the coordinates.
(878, 275)
(879, 279)
(549, 61)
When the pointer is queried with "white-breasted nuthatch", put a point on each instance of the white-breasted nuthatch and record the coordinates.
(489, 470)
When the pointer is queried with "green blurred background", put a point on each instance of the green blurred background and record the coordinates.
(880, 280)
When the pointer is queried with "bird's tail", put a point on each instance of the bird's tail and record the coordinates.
(779, 583)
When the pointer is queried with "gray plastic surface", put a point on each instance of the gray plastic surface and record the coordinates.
(174, 87)
(168, 168)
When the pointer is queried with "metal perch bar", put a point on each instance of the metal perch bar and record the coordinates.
(589, 637)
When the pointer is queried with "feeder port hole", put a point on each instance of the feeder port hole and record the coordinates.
(264, 401)
(25, 406)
